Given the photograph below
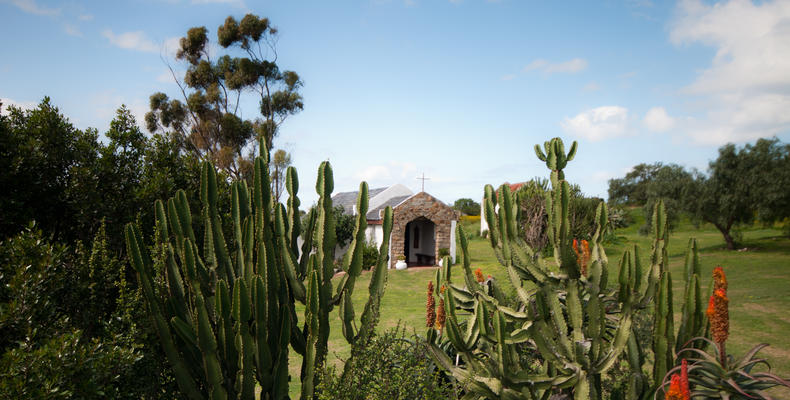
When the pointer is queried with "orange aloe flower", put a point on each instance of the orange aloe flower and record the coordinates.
(679, 386)
(479, 275)
(582, 254)
(430, 313)
(440, 315)
(718, 315)
(719, 279)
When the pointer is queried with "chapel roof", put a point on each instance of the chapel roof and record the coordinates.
(349, 199)
(375, 214)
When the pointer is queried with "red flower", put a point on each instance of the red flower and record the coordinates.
(479, 275)
(679, 386)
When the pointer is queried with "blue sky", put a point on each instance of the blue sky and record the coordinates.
(460, 90)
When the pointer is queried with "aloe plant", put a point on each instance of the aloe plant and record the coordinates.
(226, 314)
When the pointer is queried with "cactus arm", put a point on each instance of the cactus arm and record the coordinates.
(311, 322)
(141, 263)
(378, 282)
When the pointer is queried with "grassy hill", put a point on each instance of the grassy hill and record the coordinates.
(759, 287)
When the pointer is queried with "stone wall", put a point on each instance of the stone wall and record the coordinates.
(421, 205)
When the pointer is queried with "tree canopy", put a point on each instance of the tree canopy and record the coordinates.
(743, 185)
(646, 184)
(467, 206)
(207, 123)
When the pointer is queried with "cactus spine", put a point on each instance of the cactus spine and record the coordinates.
(226, 318)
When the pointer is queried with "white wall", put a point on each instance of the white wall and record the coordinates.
(375, 234)
(483, 222)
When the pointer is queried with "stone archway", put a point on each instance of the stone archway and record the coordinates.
(421, 207)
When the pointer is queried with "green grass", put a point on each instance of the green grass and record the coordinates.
(759, 288)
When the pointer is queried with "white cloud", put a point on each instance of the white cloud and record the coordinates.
(31, 7)
(598, 123)
(657, 120)
(25, 105)
(86, 17)
(131, 40)
(746, 89)
(571, 66)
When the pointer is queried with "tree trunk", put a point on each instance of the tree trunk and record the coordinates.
(727, 237)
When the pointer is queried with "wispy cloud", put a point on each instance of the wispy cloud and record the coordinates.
(746, 89)
(591, 87)
(598, 123)
(570, 67)
(387, 173)
(86, 17)
(31, 7)
(72, 30)
(136, 40)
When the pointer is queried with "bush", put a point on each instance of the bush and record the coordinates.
(390, 366)
(68, 366)
(370, 255)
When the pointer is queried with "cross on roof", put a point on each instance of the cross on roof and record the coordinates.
(423, 178)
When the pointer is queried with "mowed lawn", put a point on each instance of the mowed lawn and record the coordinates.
(759, 288)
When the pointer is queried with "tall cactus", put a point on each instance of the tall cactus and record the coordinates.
(658, 292)
(226, 315)
(577, 325)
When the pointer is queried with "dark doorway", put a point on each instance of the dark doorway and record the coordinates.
(419, 244)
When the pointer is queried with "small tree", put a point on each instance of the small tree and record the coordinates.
(467, 206)
(208, 122)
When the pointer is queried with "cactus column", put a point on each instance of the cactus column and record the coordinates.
(226, 314)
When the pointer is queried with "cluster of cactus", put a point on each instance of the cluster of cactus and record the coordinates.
(664, 344)
(566, 317)
(576, 325)
(226, 314)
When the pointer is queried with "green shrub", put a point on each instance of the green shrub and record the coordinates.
(369, 255)
(390, 366)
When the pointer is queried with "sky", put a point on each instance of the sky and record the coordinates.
(458, 90)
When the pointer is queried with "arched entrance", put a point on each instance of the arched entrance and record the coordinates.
(419, 245)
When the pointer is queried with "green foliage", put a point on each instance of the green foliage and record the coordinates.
(370, 256)
(646, 184)
(391, 365)
(467, 206)
(742, 184)
(207, 122)
(225, 314)
(49, 170)
(63, 332)
(344, 226)
(68, 366)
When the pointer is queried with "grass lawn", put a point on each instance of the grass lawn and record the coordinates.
(759, 288)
